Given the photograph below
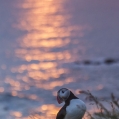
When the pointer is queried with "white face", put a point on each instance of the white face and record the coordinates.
(63, 95)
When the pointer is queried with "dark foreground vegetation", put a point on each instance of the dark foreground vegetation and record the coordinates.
(112, 112)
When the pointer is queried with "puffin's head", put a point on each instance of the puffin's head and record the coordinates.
(62, 95)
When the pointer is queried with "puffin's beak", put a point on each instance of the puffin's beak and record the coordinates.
(59, 100)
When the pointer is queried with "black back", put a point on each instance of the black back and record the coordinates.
(61, 114)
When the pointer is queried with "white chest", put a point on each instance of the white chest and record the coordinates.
(75, 110)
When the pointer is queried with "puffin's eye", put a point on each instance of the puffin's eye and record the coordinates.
(62, 91)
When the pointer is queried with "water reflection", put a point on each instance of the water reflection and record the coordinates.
(16, 114)
(48, 30)
(48, 112)
(42, 51)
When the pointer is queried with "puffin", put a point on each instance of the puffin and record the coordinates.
(74, 108)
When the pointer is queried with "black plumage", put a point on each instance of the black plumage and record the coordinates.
(61, 114)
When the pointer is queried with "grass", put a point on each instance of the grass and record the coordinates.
(103, 112)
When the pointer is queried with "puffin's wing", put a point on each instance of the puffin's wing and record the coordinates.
(61, 114)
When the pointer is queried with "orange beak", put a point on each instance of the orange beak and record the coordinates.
(59, 100)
